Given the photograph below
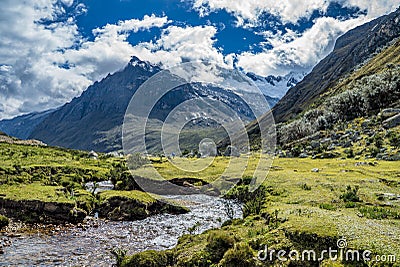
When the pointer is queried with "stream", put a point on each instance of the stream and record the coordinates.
(91, 246)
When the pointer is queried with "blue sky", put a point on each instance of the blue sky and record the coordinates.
(52, 50)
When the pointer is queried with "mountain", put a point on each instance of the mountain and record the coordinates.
(366, 59)
(22, 126)
(276, 86)
(93, 121)
(351, 49)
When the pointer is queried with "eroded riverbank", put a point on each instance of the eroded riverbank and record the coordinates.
(91, 246)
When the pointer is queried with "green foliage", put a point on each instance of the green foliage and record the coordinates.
(252, 201)
(136, 161)
(306, 187)
(327, 206)
(349, 153)
(363, 97)
(351, 194)
(350, 205)
(194, 228)
(4, 221)
(394, 139)
(379, 213)
(119, 255)
(148, 258)
(241, 255)
(218, 242)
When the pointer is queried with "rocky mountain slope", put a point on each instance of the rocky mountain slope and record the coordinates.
(351, 49)
(356, 80)
(22, 126)
(276, 86)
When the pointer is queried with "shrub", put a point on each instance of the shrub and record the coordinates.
(148, 258)
(379, 213)
(351, 195)
(327, 206)
(241, 255)
(295, 130)
(4, 221)
(218, 243)
(305, 187)
(350, 205)
(394, 139)
(348, 105)
(136, 161)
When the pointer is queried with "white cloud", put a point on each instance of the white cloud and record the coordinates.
(179, 44)
(45, 66)
(287, 10)
(301, 52)
(68, 2)
(375, 8)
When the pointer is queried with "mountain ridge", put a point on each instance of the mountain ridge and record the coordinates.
(351, 49)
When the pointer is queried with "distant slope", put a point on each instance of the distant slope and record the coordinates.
(100, 108)
(94, 120)
(276, 86)
(351, 49)
(22, 126)
(339, 71)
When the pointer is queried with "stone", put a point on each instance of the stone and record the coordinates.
(366, 124)
(315, 144)
(392, 122)
(93, 155)
(303, 155)
(389, 112)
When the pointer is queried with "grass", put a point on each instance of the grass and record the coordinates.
(379, 63)
(307, 209)
(34, 191)
(135, 195)
(206, 169)
(302, 208)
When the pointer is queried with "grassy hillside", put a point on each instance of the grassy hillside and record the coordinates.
(383, 61)
(351, 49)
(47, 184)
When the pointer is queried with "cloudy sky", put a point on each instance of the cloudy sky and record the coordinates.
(52, 50)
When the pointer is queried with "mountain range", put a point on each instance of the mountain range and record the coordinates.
(93, 121)
(366, 50)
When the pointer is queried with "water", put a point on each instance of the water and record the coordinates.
(91, 247)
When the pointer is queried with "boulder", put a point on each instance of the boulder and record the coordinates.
(389, 112)
(392, 122)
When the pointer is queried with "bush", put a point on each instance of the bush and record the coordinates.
(4, 221)
(327, 206)
(295, 130)
(305, 187)
(239, 256)
(379, 213)
(218, 243)
(148, 258)
(394, 139)
(350, 205)
(351, 195)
